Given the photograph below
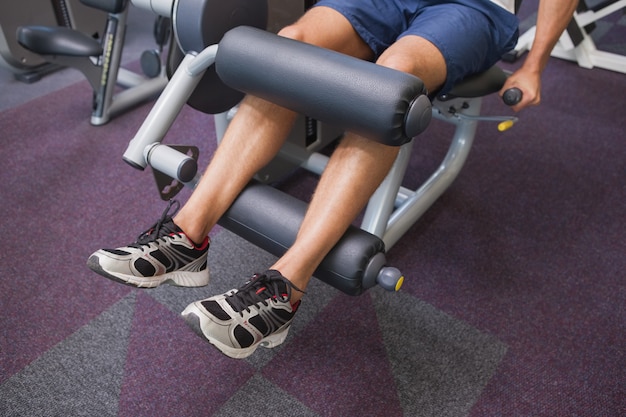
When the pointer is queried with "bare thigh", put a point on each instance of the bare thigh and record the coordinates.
(327, 28)
(417, 56)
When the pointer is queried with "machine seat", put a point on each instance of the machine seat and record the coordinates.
(45, 40)
(477, 85)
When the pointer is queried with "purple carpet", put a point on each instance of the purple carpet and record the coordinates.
(514, 302)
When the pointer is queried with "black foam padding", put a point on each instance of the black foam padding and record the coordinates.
(340, 90)
(270, 219)
(46, 40)
(202, 23)
(211, 95)
(478, 85)
(199, 24)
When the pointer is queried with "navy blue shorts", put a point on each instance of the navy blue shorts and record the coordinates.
(472, 35)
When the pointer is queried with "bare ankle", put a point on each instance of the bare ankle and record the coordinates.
(197, 237)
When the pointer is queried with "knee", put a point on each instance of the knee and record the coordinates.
(294, 31)
(355, 144)
(399, 62)
(419, 57)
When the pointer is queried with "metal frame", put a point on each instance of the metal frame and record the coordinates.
(391, 210)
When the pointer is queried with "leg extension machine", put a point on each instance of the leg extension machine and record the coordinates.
(392, 107)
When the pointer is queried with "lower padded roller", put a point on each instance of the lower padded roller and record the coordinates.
(270, 219)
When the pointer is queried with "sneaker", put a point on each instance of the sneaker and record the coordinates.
(239, 321)
(162, 254)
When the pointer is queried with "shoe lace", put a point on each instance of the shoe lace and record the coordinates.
(163, 227)
(259, 289)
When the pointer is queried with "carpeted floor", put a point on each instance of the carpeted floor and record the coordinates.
(514, 303)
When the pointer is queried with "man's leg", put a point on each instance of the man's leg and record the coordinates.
(355, 170)
(175, 250)
(261, 312)
(259, 129)
(358, 166)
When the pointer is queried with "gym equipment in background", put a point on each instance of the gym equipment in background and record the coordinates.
(576, 43)
(28, 66)
(98, 56)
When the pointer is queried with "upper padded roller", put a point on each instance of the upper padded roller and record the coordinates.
(379, 103)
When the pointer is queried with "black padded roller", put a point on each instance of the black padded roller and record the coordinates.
(357, 95)
(270, 219)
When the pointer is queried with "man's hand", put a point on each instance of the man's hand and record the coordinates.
(529, 83)
(552, 19)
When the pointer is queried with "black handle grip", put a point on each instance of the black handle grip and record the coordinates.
(512, 96)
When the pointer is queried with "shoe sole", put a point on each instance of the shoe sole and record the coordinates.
(191, 315)
(177, 278)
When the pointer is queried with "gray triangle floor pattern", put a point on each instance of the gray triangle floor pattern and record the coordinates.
(85, 373)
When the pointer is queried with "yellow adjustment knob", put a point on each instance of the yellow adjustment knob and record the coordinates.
(506, 125)
(399, 283)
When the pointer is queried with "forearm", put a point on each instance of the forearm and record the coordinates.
(552, 19)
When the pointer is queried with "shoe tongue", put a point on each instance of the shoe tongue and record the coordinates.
(260, 289)
(163, 229)
(278, 281)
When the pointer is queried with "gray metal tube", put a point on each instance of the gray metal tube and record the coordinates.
(414, 206)
(168, 106)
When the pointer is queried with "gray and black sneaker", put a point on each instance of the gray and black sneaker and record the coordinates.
(162, 254)
(239, 321)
